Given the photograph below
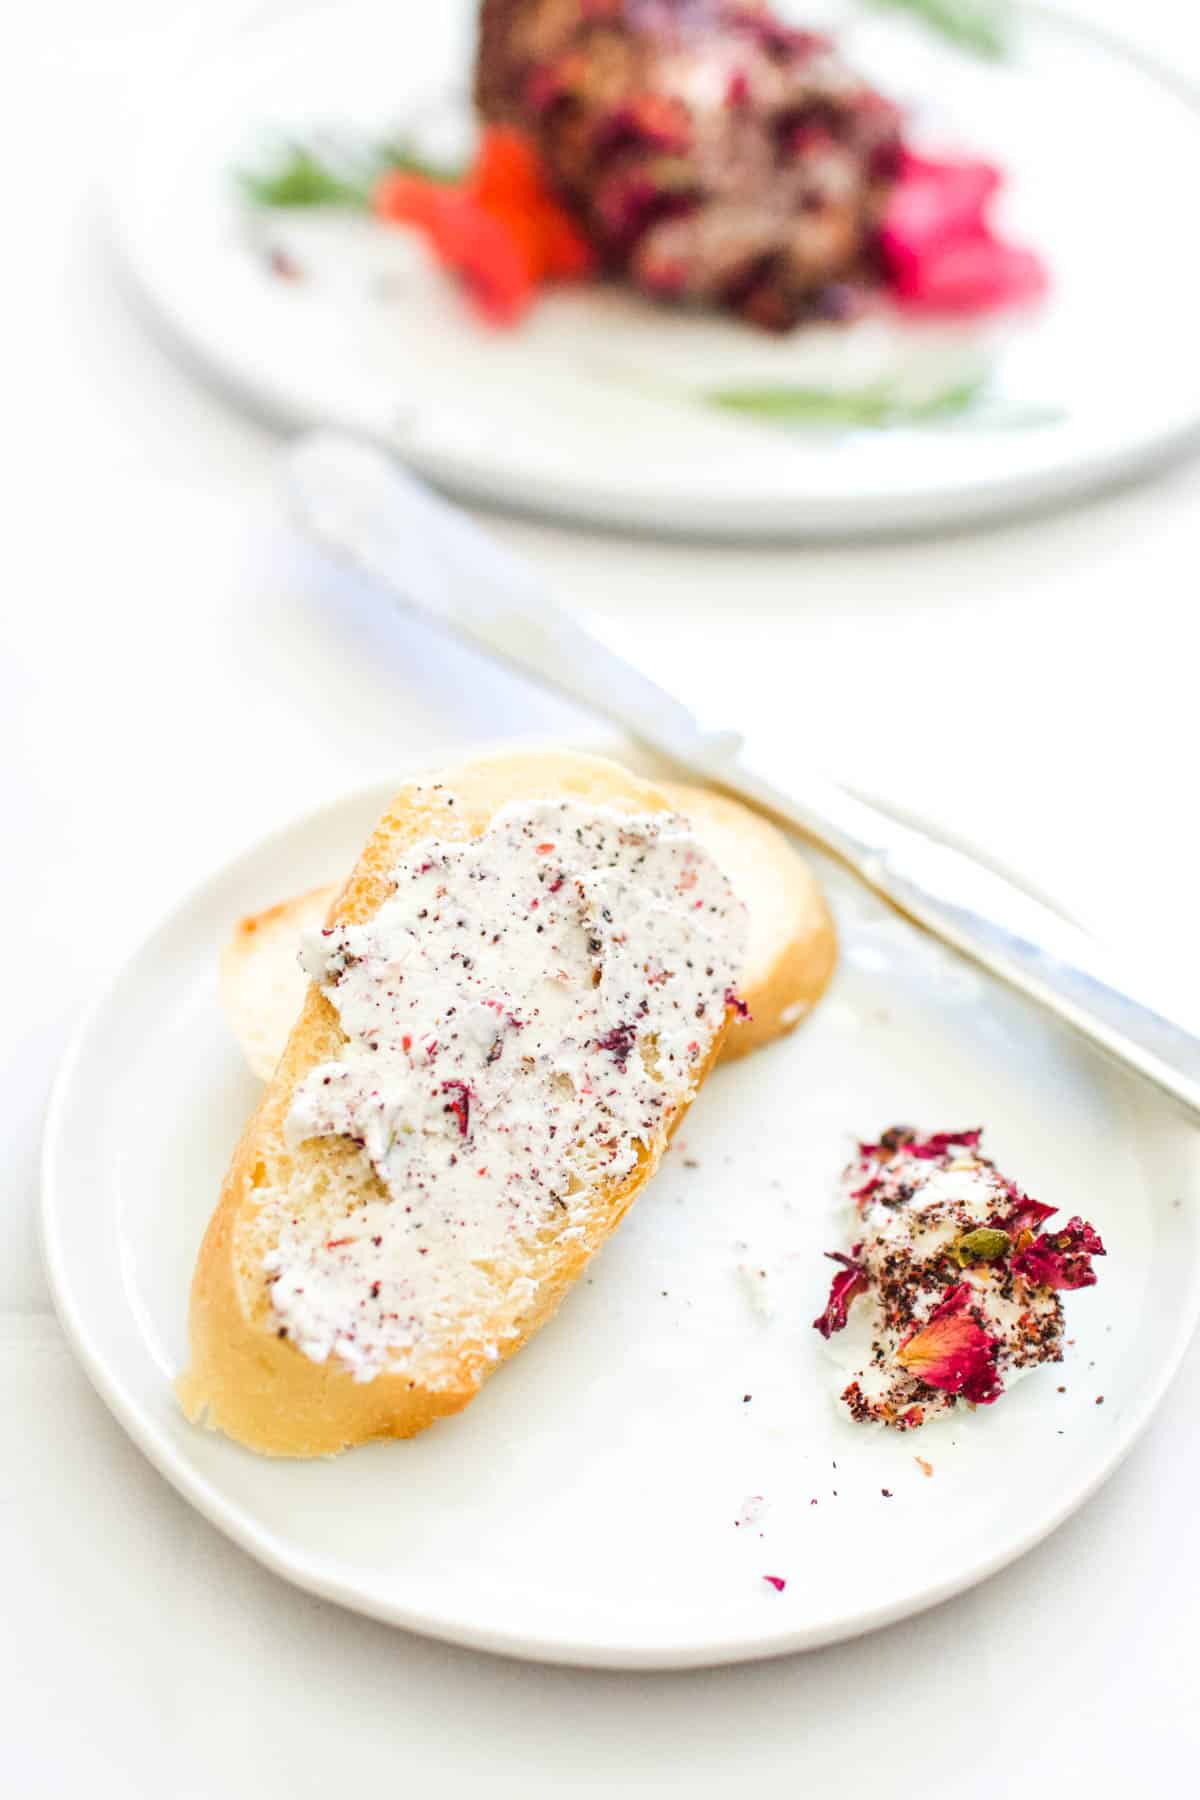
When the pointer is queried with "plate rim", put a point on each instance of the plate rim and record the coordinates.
(782, 516)
(313, 1574)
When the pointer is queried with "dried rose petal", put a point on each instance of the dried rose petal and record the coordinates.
(851, 1282)
(619, 1042)
(460, 1105)
(1061, 1259)
(943, 1141)
(904, 1137)
(1027, 1216)
(778, 1582)
(953, 1352)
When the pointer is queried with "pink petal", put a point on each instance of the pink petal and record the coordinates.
(1027, 1216)
(851, 1282)
(1061, 1259)
(942, 1141)
(971, 275)
(931, 203)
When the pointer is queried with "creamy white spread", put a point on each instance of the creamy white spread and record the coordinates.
(926, 1243)
(525, 1010)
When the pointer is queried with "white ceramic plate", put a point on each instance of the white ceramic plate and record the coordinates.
(587, 410)
(583, 1508)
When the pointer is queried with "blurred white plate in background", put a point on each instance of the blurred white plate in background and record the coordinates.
(583, 1509)
(586, 411)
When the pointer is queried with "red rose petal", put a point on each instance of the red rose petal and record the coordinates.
(942, 1142)
(1027, 1216)
(1061, 1259)
(851, 1282)
(953, 1352)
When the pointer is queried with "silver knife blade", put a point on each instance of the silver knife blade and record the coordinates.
(424, 553)
(375, 515)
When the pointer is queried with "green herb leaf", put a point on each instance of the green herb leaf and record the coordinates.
(987, 1244)
(981, 26)
(299, 178)
(303, 175)
(887, 404)
(875, 406)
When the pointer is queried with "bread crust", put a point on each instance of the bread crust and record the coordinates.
(246, 1380)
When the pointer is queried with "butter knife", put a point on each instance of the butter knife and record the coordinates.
(426, 554)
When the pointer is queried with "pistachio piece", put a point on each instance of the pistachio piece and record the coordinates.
(987, 1244)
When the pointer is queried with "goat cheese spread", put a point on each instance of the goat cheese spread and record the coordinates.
(954, 1279)
(522, 1015)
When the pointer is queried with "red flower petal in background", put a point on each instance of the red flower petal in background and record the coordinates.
(566, 253)
(488, 257)
(501, 231)
(1061, 1259)
(941, 254)
(507, 170)
(972, 275)
(932, 202)
(851, 1282)
(509, 182)
(953, 1352)
(406, 199)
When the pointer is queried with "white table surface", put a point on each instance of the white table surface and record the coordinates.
(177, 676)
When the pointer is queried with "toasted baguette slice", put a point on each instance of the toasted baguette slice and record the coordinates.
(789, 960)
(262, 982)
(792, 949)
(247, 1377)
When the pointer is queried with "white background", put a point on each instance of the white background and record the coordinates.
(178, 676)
